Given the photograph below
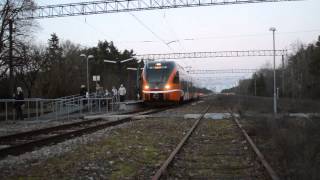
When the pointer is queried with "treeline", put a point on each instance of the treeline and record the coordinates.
(203, 90)
(57, 68)
(299, 78)
(60, 68)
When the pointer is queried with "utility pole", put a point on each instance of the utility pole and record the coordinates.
(282, 75)
(119, 72)
(138, 72)
(274, 73)
(88, 77)
(255, 84)
(11, 79)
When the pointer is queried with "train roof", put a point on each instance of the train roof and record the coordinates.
(172, 63)
(162, 62)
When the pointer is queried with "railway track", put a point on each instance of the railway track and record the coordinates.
(215, 149)
(20, 143)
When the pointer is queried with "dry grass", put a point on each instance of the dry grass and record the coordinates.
(291, 145)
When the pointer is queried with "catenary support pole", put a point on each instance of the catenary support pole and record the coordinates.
(274, 73)
(11, 79)
(283, 91)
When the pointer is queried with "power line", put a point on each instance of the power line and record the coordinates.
(248, 35)
(174, 33)
(223, 37)
(204, 79)
(150, 30)
(221, 71)
(96, 29)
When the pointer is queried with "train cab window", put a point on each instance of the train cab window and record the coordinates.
(176, 78)
(158, 72)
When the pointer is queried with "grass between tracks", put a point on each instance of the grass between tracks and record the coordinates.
(216, 150)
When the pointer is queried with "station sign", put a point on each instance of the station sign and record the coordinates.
(96, 78)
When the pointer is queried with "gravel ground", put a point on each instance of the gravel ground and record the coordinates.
(12, 127)
(130, 151)
(137, 149)
(18, 126)
(12, 166)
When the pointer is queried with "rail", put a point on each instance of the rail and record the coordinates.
(165, 165)
(16, 144)
(273, 175)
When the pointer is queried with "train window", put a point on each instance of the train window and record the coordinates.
(159, 74)
(176, 78)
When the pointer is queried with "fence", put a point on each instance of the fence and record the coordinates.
(46, 109)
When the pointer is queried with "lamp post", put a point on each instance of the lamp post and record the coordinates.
(87, 58)
(255, 84)
(137, 69)
(118, 62)
(274, 73)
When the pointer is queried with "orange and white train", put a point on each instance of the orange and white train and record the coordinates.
(167, 81)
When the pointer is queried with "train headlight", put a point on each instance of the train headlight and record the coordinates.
(167, 86)
(146, 87)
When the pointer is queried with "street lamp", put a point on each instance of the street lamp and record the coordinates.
(188, 68)
(118, 62)
(274, 73)
(137, 69)
(87, 58)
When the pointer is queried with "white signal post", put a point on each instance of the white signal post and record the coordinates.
(87, 58)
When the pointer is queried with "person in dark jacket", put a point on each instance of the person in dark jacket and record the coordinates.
(83, 92)
(19, 103)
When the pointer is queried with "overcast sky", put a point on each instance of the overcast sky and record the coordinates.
(213, 28)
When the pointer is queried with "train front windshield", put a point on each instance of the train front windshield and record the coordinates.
(158, 73)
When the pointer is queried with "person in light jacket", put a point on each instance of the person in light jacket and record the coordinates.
(122, 93)
(106, 94)
(114, 93)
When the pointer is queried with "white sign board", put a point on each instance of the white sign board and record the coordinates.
(96, 78)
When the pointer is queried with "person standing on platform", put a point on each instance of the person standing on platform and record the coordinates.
(83, 94)
(114, 93)
(106, 94)
(122, 92)
(83, 91)
(99, 91)
(19, 103)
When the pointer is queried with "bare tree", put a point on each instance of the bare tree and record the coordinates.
(32, 63)
(12, 32)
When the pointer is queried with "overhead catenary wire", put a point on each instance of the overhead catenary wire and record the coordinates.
(94, 28)
(224, 37)
(150, 30)
(85, 21)
(170, 28)
(177, 39)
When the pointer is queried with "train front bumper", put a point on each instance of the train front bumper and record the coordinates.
(162, 95)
